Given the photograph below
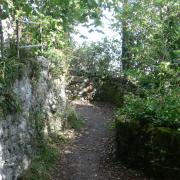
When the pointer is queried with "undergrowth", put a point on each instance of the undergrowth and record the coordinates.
(59, 62)
(41, 164)
(10, 70)
(49, 148)
(74, 120)
(13, 69)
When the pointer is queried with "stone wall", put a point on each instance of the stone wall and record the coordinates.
(158, 148)
(43, 99)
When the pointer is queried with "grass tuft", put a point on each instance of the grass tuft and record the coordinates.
(74, 120)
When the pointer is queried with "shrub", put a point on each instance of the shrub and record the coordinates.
(157, 109)
(74, 120)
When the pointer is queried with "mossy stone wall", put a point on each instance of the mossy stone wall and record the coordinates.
(23, 133)
(156, 150)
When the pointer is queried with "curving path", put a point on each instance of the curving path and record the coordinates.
(90, 156)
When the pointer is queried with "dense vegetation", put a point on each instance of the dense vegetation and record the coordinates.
(148, 122)
(149, 60)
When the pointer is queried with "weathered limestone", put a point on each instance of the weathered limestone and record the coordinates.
(45, 96)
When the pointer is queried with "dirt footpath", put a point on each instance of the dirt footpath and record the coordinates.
(91, 156)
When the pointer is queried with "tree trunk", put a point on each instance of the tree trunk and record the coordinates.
(125, 53)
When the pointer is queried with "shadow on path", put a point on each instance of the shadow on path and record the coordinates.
(89, 157)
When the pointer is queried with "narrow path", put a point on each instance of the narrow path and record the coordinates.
(89, 157)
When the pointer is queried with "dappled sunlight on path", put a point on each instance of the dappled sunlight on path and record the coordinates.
(86, 157)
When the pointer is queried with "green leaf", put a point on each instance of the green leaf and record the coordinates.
(5, 10)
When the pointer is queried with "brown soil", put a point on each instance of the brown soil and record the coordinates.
(91, 155)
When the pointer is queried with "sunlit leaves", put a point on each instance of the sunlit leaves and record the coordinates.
(151, 36)
(102, 58)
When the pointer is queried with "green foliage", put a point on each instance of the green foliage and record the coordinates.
(150, 36)
(4, 10)
(47, 150)
(149, 121)
(150, 58)
(57, 18)
(74, 120)
(153, 109)
(59, 61)
(10, 70)
(48, 147)
(13, 69)
(41, 165)
(37, 117)
(35, 72)
(158, 103)
(101, 58)
(151, 61)
(9, 102)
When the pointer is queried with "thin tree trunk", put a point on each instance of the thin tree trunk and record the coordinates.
(125, 56)
(1, 36)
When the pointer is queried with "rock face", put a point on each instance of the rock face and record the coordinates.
(42, 99)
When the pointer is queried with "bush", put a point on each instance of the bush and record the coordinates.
(41, 165)
(74, 120)
(148, 124)
(154, 109)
